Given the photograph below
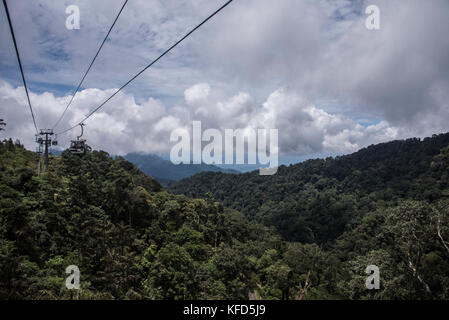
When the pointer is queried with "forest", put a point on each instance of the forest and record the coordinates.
(306, 233)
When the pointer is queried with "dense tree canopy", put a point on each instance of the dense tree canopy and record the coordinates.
(386, 200)
(308, 232)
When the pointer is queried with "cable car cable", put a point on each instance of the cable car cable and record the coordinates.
(90, 66)
(20, 63)
(148, 66)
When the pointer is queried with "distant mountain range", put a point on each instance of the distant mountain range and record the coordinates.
(319, 199)
(165, 171)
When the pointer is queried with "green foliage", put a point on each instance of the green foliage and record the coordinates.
(309, 232)
(129, 237)
(385, 204)
(316, 201)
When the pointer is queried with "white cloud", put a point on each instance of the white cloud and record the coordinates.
(228, 74)
(198, 92)
(125, 126)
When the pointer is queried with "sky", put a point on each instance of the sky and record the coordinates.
(309, 68)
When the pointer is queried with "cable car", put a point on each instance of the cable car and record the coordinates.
(79, 146)
(55, 141)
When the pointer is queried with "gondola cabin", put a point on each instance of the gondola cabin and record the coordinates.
(79, 147)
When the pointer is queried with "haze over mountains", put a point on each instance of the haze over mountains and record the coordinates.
(165, 171)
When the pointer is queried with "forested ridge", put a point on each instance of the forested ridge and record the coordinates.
(129, 237)
(316, 200)
(375, 204)
(308, 232)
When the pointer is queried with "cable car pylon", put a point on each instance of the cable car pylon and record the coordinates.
(44, 140)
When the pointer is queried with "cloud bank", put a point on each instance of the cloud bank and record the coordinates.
(127, 126)
(309, 68)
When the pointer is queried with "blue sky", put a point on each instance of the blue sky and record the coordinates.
(311, 69)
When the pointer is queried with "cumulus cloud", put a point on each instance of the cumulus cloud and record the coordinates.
(322, 49)
(123, 127)
(126, 126)
(259, 63)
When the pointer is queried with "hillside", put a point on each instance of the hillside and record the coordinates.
(317, 200)
(131, 239)
(165, 171)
